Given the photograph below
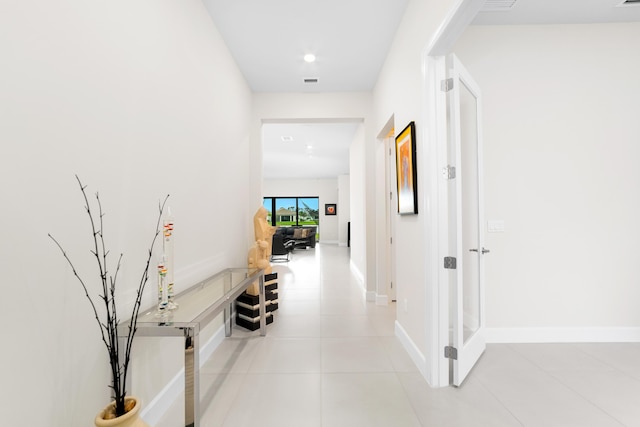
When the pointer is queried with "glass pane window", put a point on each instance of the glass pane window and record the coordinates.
(286, 212)
(293, 211)
(308, 211)
(268, 205)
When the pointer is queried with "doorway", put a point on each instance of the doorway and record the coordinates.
(386, 213)
(392, 206)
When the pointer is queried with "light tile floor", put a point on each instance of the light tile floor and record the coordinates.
(331, 359)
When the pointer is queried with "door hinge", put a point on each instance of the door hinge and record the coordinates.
(450, 262)
(390, 195)
(449, 172)
(446, 85)
(451, 353)
(389, 150)
(391, 240)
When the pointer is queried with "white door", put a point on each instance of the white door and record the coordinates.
(466, 238)
(392, 212)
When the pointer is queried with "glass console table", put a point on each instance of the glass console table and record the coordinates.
(198, 306)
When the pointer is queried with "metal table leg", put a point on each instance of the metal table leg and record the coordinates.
(228, 319)
(191, 378)
(263, 308)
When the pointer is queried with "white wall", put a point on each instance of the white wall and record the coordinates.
(324, 107)
(141, 99)
(561, 149)
(325, 189)
(382, 219)
(360, 238)
(344, 210)
(399, 94)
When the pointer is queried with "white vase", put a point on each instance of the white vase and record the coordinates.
(130, 419)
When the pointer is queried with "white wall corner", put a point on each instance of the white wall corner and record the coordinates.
(560, 335)
(371, 296)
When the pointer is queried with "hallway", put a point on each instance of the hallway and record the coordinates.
(330, 359)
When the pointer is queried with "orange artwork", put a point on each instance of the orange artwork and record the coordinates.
(406, 172)
(330, 209)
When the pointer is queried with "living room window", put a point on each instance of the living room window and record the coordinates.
(292, 211)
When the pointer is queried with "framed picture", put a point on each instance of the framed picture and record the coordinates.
(330, 209)
(406, 171)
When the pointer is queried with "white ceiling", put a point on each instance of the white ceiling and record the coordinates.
(312, 150)
(350, 39)
(268, 39)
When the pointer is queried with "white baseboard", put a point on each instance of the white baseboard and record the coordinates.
(558, 335)
(412, 349)
(329, 242)
(153, 412)
(360, 278)
(212, 344)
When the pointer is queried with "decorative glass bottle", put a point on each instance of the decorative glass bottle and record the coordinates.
(167, 249)
(162, 288)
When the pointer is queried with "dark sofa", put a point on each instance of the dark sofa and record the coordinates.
(302, 236)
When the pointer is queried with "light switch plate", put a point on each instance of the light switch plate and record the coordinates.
(495, 226)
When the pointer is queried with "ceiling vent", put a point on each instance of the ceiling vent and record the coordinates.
(310, 80)
(498, 5)
(287, 139)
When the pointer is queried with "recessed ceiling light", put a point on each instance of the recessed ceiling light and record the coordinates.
(310, 57)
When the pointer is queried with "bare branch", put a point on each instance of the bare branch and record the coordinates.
(109, 327)
(86, 292)
(143, 281)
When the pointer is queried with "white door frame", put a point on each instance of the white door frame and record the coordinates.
(384, 252)
(435, 160)
(392, 209)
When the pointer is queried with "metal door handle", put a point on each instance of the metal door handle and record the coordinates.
(484, 251)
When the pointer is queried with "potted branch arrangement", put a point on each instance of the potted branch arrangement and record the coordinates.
(123, 411)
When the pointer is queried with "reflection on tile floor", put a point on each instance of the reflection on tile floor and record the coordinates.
(331, 359)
